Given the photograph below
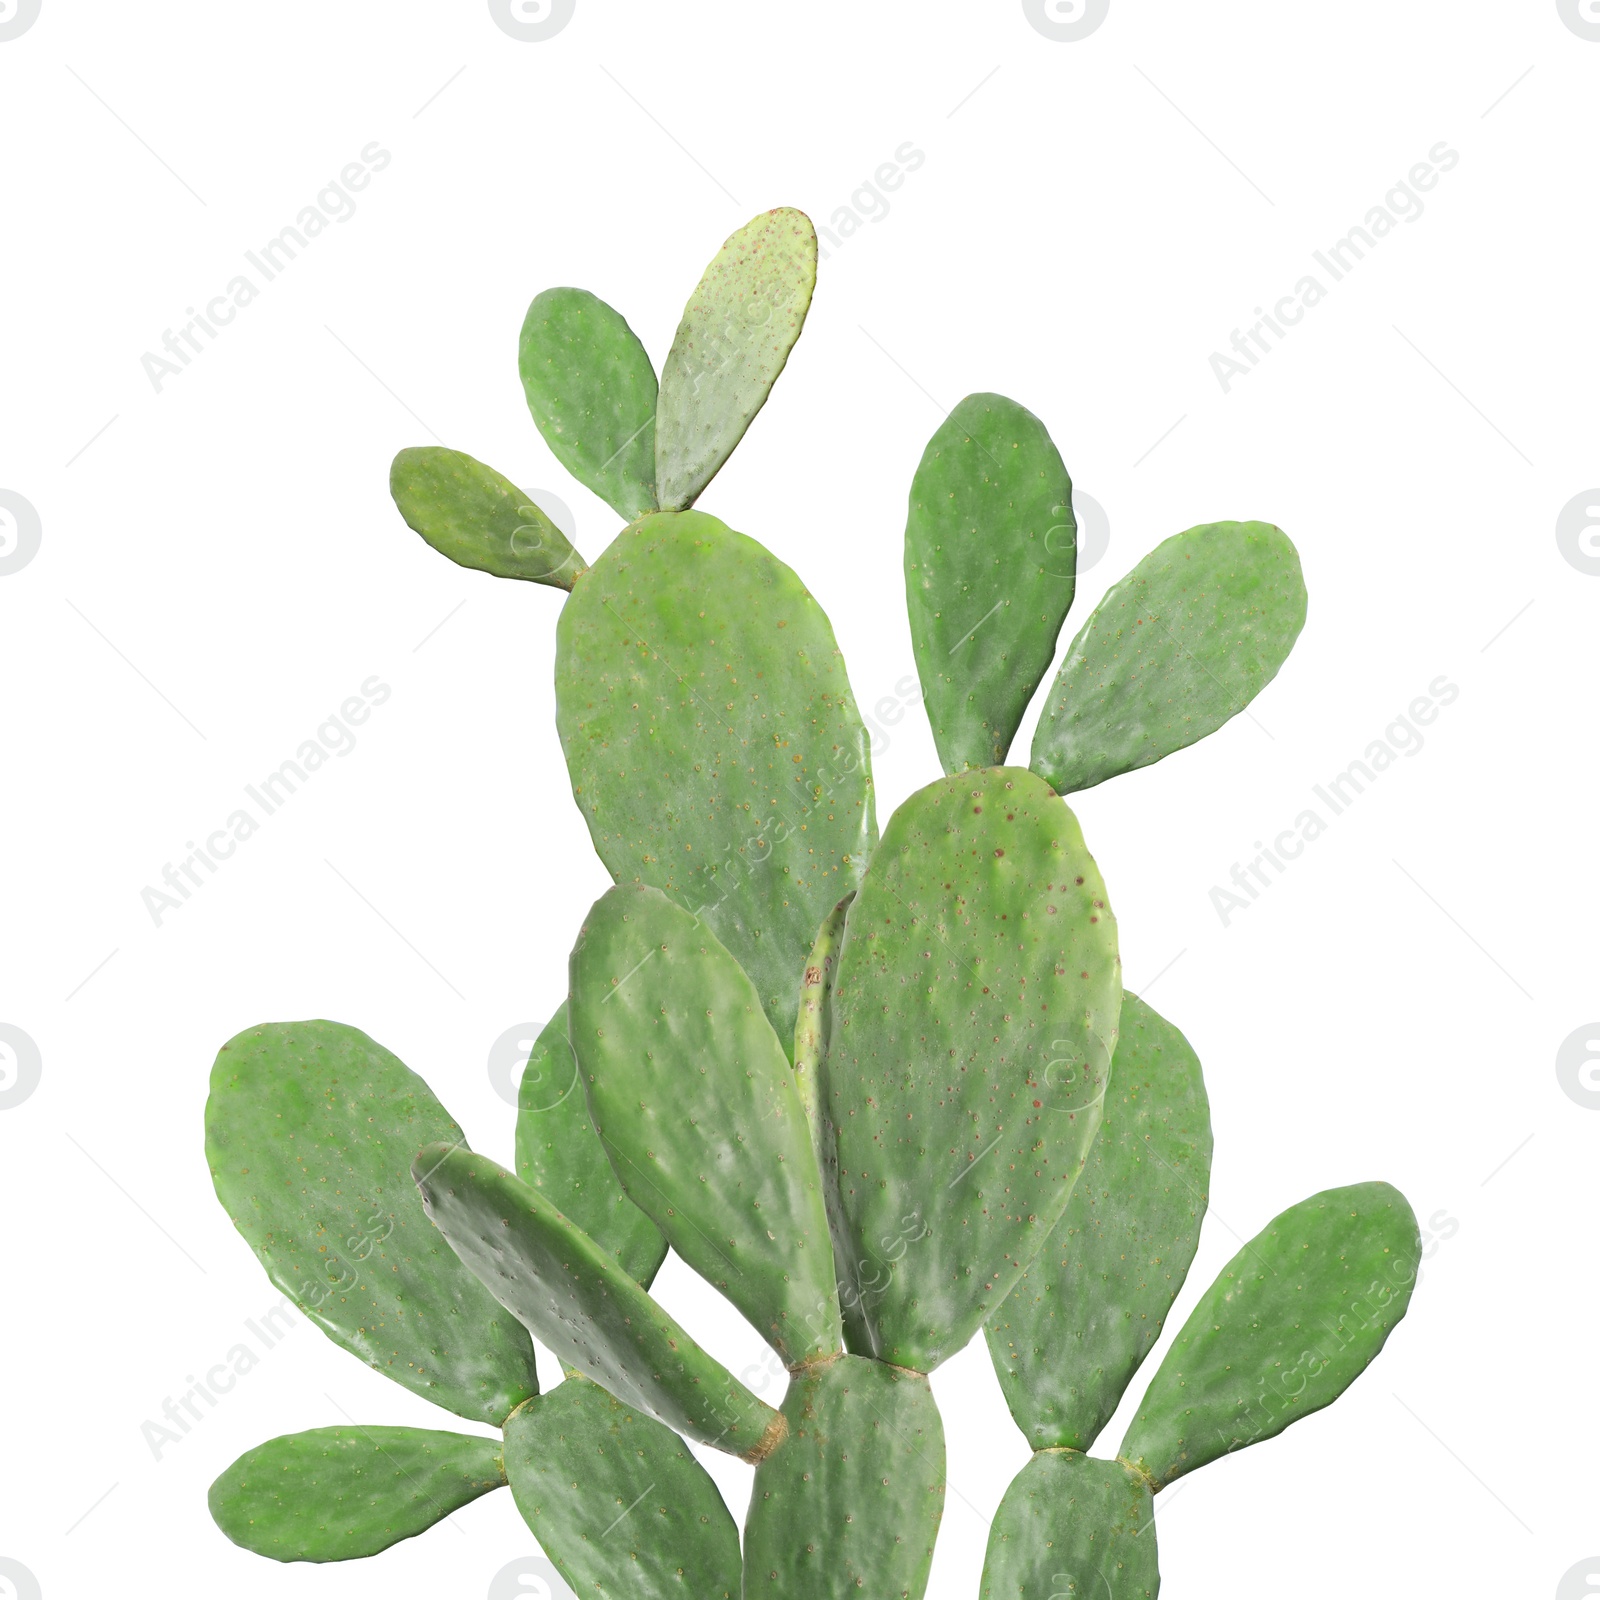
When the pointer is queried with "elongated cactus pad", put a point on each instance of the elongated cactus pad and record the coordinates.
(1072, 1528)
(310, 1131)
(734, 339)
(1068, 1339)
(560, 1155)
(990, 563)
(469, 513)
(1187, 640)
(696, 1104)
(335, 1494)
(616, 1500)
(571, 1293)
(712, 740)
(1291, 1322)
(850, 1505)
(974, 1019)
(592, 392)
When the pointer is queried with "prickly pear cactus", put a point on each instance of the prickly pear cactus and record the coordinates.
(878, 1093)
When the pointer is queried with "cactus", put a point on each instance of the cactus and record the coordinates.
(878, 1093)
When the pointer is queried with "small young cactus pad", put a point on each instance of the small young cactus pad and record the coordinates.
(592, 392)
(469, 513)
(335, 1494)
(734, 340)
(1291, 1322)
(1187, 640)
(990, 563)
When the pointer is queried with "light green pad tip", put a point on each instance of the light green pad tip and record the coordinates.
(734, 339)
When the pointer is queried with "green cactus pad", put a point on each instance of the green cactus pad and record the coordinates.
(336, 1494)
(712, 740)
(1187, 640)
(571, 1293)
(696, 1104)
(735, 336)
(469, 513)
(813, 1025)
(617, 1501)
(974, 1019)
(990, 564)
(1291, 1322)
(592, 392)
(1069, 1338)
(560, 1155)
(1072, 1528)
(310, 1132)
(850, 1506)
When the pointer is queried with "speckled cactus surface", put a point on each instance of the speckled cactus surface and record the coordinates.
(879, 1093)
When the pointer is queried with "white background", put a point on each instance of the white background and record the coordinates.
(221, 566)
